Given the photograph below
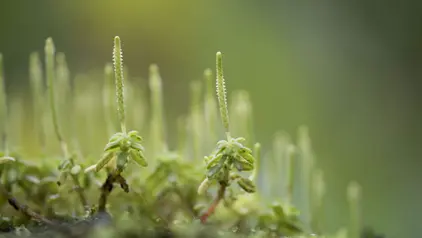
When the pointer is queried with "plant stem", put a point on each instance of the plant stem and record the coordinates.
(25, 209)
(181, 132)
(354, 197)
(107, 187)
(211, 209)
(157, 115)
(50, 51)
(257, 156)
(210, 108)
(36, 81)
(290, 151)
(3, 110)
(108, 98)
(197, 126)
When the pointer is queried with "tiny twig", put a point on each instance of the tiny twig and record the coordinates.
(211, 209)
(80, 192)
(108, 186)
(24, 209)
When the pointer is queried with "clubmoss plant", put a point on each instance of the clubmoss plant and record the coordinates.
(163, 199)
(230, 154)
(122, 146)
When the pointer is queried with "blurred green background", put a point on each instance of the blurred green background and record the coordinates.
(350, 71)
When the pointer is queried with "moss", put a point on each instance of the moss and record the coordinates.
(239, 190)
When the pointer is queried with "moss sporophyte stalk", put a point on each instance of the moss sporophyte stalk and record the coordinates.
(229, 155)
(243, 188)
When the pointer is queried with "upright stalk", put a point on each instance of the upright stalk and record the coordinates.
(354, 195)
(222, 95)
(210, 109)
(196, 119)
(318, 193)
(37, 86)
(307, 164)
(108, 99)
(50, 73)
(3, 110)
(290, 176)
(157, 118)
(257, 155)
(222, 101)
(118, 75)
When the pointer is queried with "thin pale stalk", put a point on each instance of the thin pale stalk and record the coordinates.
(108, 99)
(119, 81)
(157, 116)
(290, 176)
(210, 109)
(182, 137)
(37, 88)
(3, 110)
(257, 156)
(222, 94)
(307, 164)
(318, 193)
(50, 72)
(354, 195)
(197, 126)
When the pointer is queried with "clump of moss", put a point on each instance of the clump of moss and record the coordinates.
(172, 195)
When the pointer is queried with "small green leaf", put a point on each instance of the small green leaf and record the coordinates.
(6, 159)
(132, 133)
(112, 145)
(137, 146)
(90, 168)
(62, 178)
(248, 157)
(32, 179)
(204, 186)
(65, 164)
(75, 169)
(247, 185)
(134, 136)
(103, 161)
(220, 149)
(243, 165)
(122, 159)
(278, 210)
(239, 139)
(138, 157)
(214, 160)
(212, 172)
(221, 143)
(52, 198)
(117, 136)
